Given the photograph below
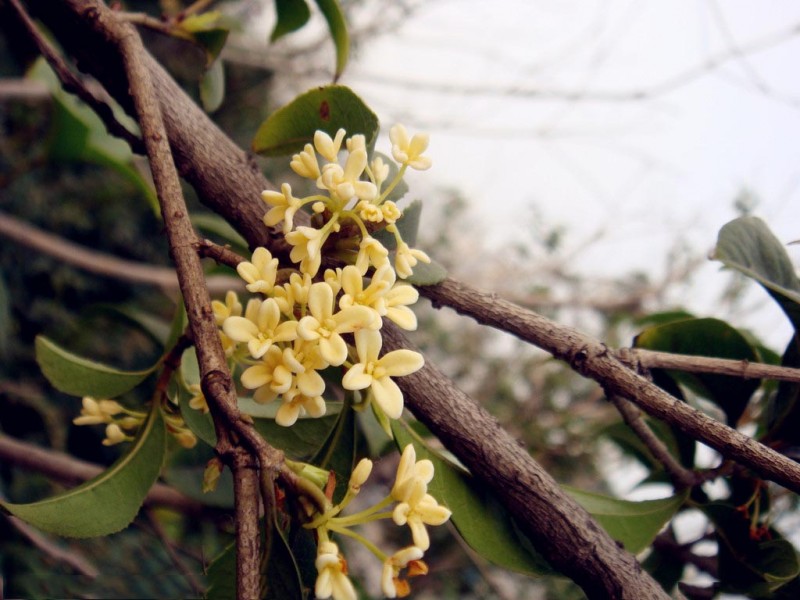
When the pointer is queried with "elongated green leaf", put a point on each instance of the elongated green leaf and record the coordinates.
(341, 39)
(79, 376)
(707, 337)
(110, 501)
(283, 575)
(78, 134)
(338, 452)
(747, 245)
(291, 16)
(635, 524)
(327, 108)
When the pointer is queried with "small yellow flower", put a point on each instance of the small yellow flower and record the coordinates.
(260, 327)
(420, 509)
(114, 435)
(408, 151)
(380, 170)
(371, 252)
(305, 163)
(284, 207)
(345, 183)
(327, 147)
(332, 580)
(94, 412)
(391, 583)
(390, 212)
(259, 274)
(323, 325)
(269, 377)
(406, 259)
(369, 211)
(307, 243)
(376, 373)
(410, 471)
(230, 308)
(360, 475)
(198, 400)
(296, 404)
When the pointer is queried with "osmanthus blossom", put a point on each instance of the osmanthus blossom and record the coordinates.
(269, 376)
(295, 404)
(261, 327)
(284, 207)
(332, 580)
(324, 325)
(420, 509)
(345, 183)
(307, 245)
(94, 412)
(408, 151)
(406, 558)
(259, 274)
(407, 258)
(376, 373)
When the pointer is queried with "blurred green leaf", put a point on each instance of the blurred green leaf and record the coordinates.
(110, 501)
(427, 274)
(78, 135)
(222, 575)
(209, 30)
(781, 418)
(713, 338)
(747, 245)
(338, 452)
(341, 38)
(212, 87)
(216, 225)
(747, 565)
(634, 524)
(282, 573)
(79, 376)
(327, 108)
(291, 16)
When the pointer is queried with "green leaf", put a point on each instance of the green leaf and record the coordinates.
(707, 337)
(634, 524)
(427, 274)
(746, 565)
(212, 87)
(327, 108)
(302, 440)
(209, 30)
(338, 452)
(291, 16)
(283, 575)
(341, 39)
(78, 376)
(747, 245)
(222, 575)
(216, 225)
(77, 134)
(110, 501)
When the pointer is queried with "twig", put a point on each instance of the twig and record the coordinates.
(680, 476)
(74, 84)
(99, 262)
(69, 556)
(743, 369)
(216, 378)
(593, 359)
(246, 493)
(179, 563)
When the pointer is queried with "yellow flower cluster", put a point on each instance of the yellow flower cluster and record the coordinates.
(121, 423)
(414, 507)
(305, 322)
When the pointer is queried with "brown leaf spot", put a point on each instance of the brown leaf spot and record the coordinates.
(325, 111)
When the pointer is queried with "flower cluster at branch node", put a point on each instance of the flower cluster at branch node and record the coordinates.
(304, 321)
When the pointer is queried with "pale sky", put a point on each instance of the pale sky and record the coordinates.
(721, 114)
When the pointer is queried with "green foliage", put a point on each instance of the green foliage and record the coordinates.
(110, 501)
(327, 108)
(706, 337)
(78, 376)
(291, 16)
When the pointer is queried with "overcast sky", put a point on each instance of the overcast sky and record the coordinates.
(642, 120)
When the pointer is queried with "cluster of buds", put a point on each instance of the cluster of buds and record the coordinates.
(414, 507)
(122, 423)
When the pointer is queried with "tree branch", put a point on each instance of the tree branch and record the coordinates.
(593, 359)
